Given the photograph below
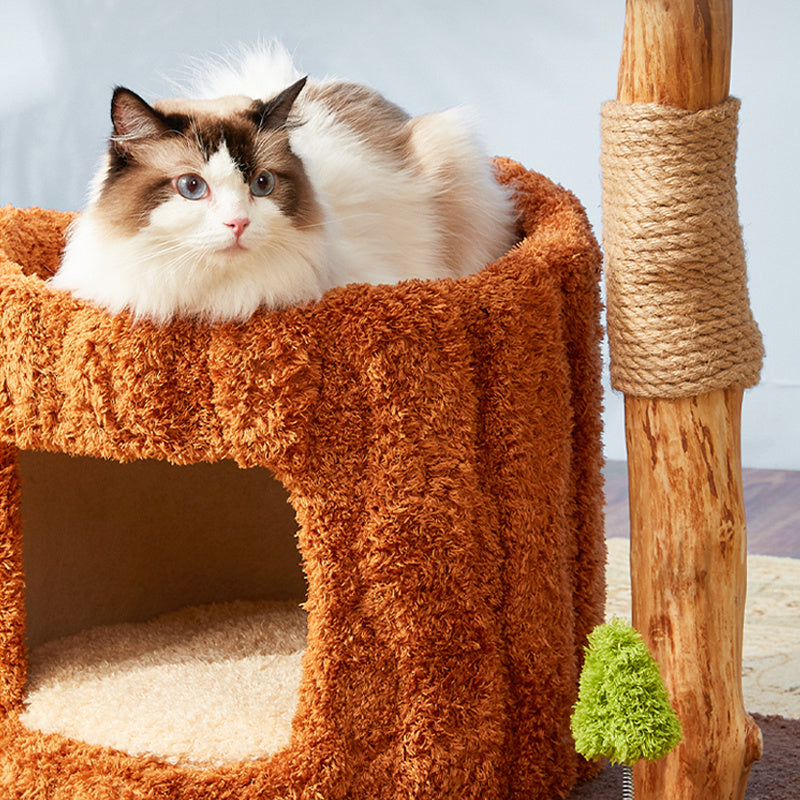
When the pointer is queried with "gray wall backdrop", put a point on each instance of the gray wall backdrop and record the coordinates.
(535, 72)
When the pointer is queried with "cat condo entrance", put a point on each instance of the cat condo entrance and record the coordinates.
(163, 607)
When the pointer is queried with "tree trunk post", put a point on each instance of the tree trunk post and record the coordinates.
(688, 533)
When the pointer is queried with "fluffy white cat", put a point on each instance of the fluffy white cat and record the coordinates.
(267, 189)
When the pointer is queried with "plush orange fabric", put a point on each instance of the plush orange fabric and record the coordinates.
(441, 445)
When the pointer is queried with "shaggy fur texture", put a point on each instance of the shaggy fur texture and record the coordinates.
(441, 444)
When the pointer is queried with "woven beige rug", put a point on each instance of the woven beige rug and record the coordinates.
(771, 654)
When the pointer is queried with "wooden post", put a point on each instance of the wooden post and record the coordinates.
(688, 535)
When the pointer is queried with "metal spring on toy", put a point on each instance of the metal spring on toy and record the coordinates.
(627, 782)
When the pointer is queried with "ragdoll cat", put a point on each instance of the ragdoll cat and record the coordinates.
(267, 189)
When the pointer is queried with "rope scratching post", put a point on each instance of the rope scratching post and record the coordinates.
(678, 302)
(683, 347)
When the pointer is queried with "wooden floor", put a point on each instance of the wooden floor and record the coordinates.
(772, 505)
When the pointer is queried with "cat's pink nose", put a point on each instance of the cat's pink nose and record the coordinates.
(238, 225)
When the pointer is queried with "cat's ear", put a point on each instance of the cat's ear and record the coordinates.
(133, 118)
(274, 113)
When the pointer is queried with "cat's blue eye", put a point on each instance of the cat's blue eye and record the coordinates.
(262, 184)
(192, 187)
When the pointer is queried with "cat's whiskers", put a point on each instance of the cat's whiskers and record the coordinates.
(172, 257)
(340, 218)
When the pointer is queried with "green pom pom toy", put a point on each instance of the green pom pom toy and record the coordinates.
(623, 711)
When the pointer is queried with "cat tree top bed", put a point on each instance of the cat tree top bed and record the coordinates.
(440, 442)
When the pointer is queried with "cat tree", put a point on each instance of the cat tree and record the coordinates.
(683, 347)
(440, 446)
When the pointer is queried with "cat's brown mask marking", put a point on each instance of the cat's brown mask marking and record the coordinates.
(152, 145)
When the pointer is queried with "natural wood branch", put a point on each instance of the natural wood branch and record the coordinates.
(688, 565)
(688, 535)
(676, 53)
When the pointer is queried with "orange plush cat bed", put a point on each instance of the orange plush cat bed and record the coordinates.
(440, 445)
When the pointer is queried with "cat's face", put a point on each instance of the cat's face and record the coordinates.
(209, 180)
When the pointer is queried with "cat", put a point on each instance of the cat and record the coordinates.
(265, 188)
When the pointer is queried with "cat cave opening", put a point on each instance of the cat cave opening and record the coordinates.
(163, 607)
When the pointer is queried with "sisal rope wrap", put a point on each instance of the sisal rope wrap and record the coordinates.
(679, 319)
